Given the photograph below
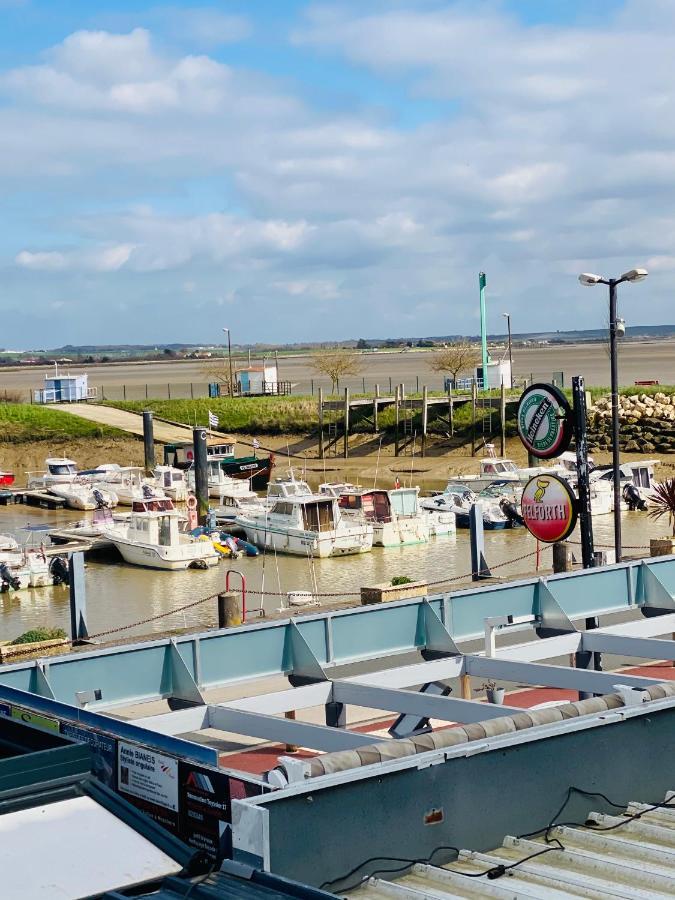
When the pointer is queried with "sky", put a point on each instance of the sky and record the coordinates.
(316, 171)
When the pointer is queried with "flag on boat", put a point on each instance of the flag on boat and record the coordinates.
(397, 483)
(213, 420)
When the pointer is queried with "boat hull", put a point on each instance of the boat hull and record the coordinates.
(166, 558)
(400, 533)
(308, 543)
(462, 520)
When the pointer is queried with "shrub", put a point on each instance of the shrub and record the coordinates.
(400, 579)
(40, 634)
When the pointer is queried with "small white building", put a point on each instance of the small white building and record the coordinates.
(498, 373)
(260, 379)
(64, 389)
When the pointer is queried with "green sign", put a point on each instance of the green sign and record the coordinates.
(544, 421)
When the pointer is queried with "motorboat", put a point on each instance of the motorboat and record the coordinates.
(80, 494)
(636, 482)
(246, 504)
(132, 488)
(172, 482)
(338, 488)
(288, 487)
(394, 514)
(458, 499)
(62, 470)
(256, 470)
(306, 524)
(500, 469)
(28, 567)
(152, 538)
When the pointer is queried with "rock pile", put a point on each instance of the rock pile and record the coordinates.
(647, 423)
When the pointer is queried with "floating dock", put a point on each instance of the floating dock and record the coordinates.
(41, 499)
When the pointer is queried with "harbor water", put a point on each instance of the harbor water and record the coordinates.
(119, 595)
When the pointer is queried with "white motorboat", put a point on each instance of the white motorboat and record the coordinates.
(27, 567)
(307, 524)
(132, 488)
(288, 487)
(494, 469)
(172, 482)
(62, 470)
(458, 499)
(152, 538)
(219, 481)
(395, 515)
(636, 479)
(233, 505)
(80, 494)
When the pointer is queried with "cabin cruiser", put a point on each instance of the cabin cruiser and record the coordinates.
(61, 470)
(394, 514)
(247, 504)
(132, 488)
(220, 452)
(636, 480)
(219, 481)
(306, 524)
(152, 538)
(495, 469)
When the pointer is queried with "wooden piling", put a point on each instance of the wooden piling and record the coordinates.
(451, 412)
(397, 402)
(346, 435)
(290, 714)
(321, 423)
(465, 687)
(229, 611)
(474, 397)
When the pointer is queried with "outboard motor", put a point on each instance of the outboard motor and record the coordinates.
(510, 510)
(7, 580)
(58, 569)
(148, 493)
(632, 497)
(99, 498)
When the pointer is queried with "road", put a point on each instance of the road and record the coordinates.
(185, 378)
(126, 421)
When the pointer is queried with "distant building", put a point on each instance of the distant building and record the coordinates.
(61, 388)
(260, 379)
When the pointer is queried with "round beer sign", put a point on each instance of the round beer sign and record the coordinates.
(544, 421)
(549, 508)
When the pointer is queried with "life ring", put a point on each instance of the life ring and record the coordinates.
(191, 502)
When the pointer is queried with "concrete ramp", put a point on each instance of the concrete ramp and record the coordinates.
(132, 423)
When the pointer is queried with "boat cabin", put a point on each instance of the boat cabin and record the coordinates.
(311, 514)
(288, 488)
(154, 522)
(168, 477)
(61, 466)
(497, 467)
(182, 455)
(381, 505)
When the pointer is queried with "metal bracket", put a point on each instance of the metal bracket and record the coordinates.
(298, 657)
(182, 685)
(431, 635)
(632, 696)
(552, 619)
(496, 623)
(39, 683)
(654, 598)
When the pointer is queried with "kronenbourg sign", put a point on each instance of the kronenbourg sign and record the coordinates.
(549, 508)
(544, 421)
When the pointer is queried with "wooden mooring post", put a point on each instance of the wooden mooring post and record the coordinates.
(474, 398)
(376, 409)
(502, 419)
(321, 451)
(425, 418)
(346, 434)
(397, 402)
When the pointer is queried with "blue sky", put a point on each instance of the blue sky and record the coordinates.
(317, 171)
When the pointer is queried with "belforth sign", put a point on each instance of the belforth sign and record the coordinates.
(549, 508)
(544, 421)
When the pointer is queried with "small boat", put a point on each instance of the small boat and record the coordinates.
(495, 469)
(6, 478)
(152, 538)
(133, 488)
(80, 494)
(306, 524)
(233, 505)
(457, 498)
(636, 479)
(171, 481)
(28, 567)
(394, 514)
(62, 470)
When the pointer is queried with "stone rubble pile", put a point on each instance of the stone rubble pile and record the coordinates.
(647, 423)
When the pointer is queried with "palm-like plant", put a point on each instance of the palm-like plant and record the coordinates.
(663, 498)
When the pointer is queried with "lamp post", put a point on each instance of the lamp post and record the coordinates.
(588, 279)
(229, 355)
(507, 316)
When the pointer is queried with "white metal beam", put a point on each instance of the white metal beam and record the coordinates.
(407, 676)
(287, 731)
(563, 677)
(182, 720)
(546, 648)
(622, 645)
(650, 627)
(448, 709)
(303, 697)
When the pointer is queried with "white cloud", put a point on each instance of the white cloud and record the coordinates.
(49, 261)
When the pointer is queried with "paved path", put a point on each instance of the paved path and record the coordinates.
(126, 421)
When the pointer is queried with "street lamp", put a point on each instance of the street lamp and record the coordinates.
(229, 354)
(588, 279)
(507, 316)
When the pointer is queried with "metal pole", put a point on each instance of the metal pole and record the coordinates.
(616, 462)
(148, 441)
(78, 598)
(502, 419)
(508, 322)
(346, 415)
(479, 566)
(201, 473)
(483, 327)
(229, 355)
(585, 517)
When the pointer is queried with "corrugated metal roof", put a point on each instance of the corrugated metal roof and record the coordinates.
(251, 884)
(624, 857)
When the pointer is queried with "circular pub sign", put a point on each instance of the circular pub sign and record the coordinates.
(549, 508)
(544, 421)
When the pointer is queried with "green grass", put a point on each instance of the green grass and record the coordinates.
(21, 423)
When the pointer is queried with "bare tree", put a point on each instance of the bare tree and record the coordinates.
(336, 364)
(454, 358)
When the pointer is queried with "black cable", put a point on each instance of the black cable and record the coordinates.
(401, 859)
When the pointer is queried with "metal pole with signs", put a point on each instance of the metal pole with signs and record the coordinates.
(583, 488)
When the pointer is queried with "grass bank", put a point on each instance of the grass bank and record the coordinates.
(21, 423)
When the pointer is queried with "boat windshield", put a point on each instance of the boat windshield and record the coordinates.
(62, 469)
(152, 506)
(404, 501)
